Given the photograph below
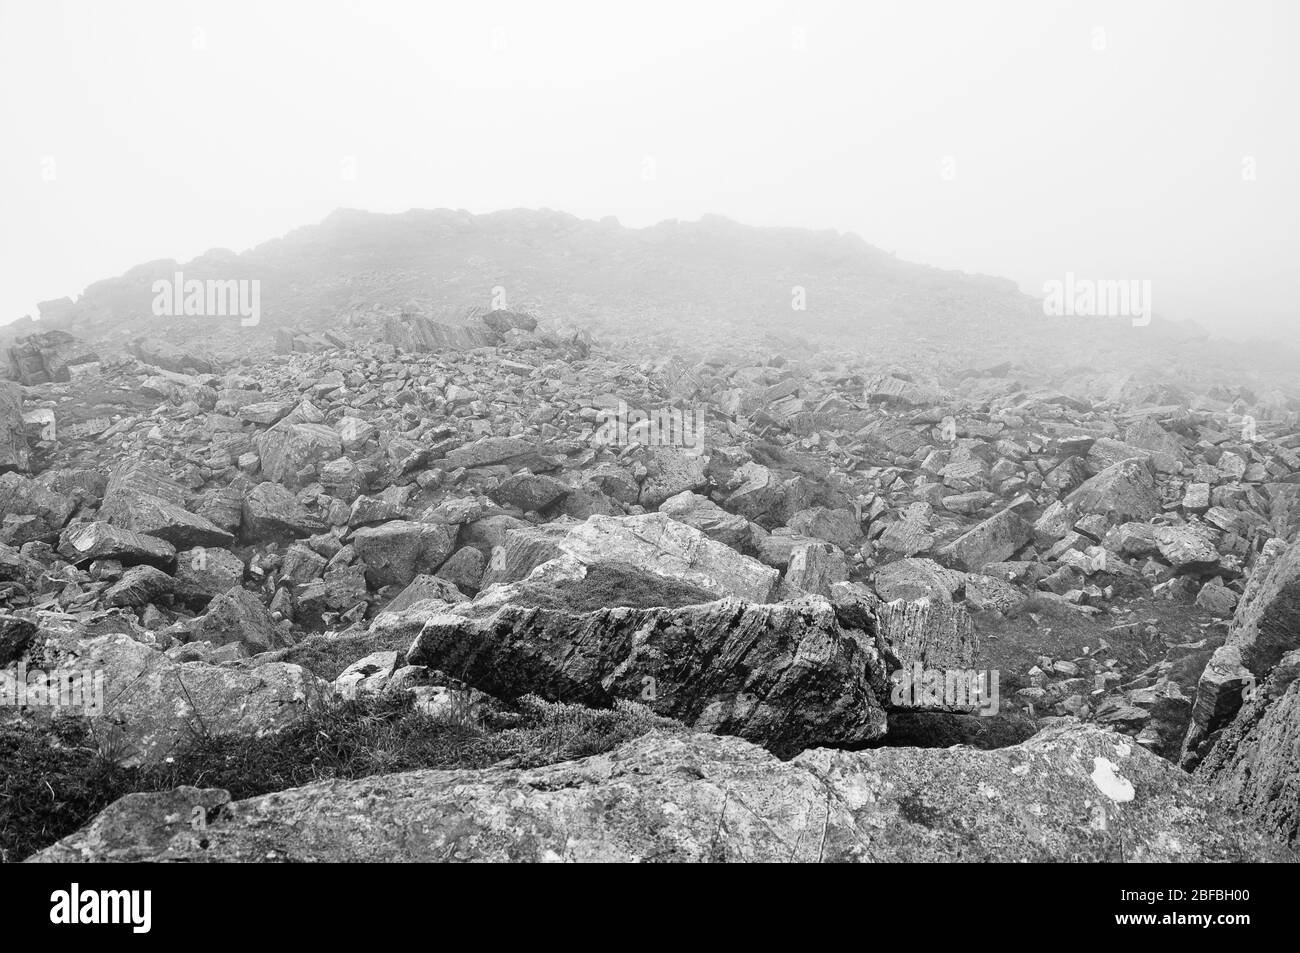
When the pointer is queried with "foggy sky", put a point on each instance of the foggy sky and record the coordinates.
(1020, 139)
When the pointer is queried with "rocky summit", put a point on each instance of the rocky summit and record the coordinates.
(639, 570)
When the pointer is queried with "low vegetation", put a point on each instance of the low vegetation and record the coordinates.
(56, 774)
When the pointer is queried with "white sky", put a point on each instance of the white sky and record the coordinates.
(1123, 162)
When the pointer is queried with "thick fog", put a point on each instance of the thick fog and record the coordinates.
(1142, 141)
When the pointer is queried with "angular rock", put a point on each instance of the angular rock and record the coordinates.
(658, 545)
(708, 517)
(425, 587)
(14, 454)
(203, 573)
(15, 635)
(1123, 492)
(916, 579)
(814, 567)
(142, 499)
(49, 356)
(514, 452)
(670, 471)
(1253, 766)
(990, 592)
(1187, 547)
(271, 512)
(464, 569)
(139, 586)
(151, 703)
(24, 497)
(994, 540)
(82, 543)
(786, 676)
(288, 451)
(1266, 627)
(238, 615)
(529, 492)
(836, 526)
(938, 635)
(395, 553)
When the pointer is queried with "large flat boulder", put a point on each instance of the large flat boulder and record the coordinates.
(1076, 794)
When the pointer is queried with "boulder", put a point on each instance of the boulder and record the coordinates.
(654, 542)
(529, 492)
(1255, 762)
(917, 579)
(16, 634)
(837, 526)
(142, 499)
(139, 586)
(271, 512)
(786, 676)
(20, 496)
(151, 703)
(238, 615)
(934, 633)
(708, 517)
(994, 540)
(1187, 547)
(82, 543)
(670, 471)
(814, 567)
(464, 569)
(425, 587)
(1122, 492)
(759, 496)
(513, 452)
(14, 454)
(290, 453)
(204, 573)
(395, 553)
(1266, 626)
(52, 356)
(1075, 793)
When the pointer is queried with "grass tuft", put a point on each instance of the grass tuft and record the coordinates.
(55, 775)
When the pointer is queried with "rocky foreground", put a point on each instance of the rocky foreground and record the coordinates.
(469, 512)
(1074, 793)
